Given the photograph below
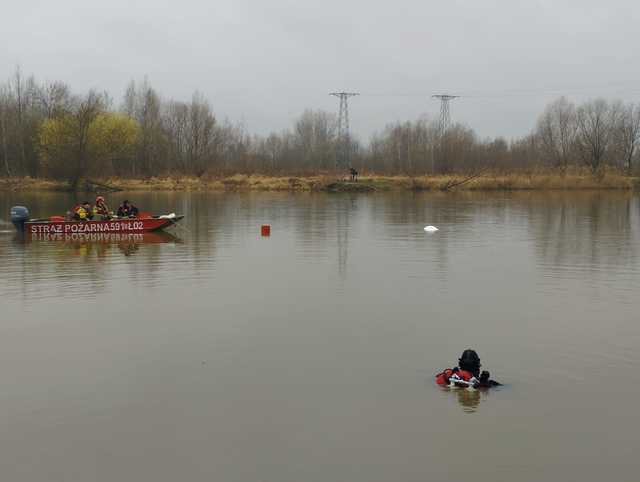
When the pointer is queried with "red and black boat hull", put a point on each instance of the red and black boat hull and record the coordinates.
(125, 225)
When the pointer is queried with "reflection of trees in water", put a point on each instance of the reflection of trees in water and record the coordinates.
(80, 264)
(317, 219)
(569, 228)
(346, 207)
(205, 214)
(206, 217)
(313, 219)
(566, 229)
(403, 217)
(87, 264)
(41, 204)
(82, 260)
(128, 248)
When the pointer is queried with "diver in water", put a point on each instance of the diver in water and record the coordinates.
(467, 373)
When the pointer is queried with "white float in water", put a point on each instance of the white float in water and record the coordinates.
(430, 229)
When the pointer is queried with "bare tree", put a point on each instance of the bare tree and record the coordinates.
(200, 134)
(19, 89)
(316, 136)
(54, 98)
(27, 119)
(88, 109)
(596, 122)
(129, 103)
(144, 105)
(628, 133)
(65, 142)
(273, 147)
(406, 147)
(175, 122)
(556, 130)
(187, 138)
(4, 115)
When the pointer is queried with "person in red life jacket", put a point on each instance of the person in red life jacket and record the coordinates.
(467, 373)
(101, 209)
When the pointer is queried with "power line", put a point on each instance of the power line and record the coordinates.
(619, 88)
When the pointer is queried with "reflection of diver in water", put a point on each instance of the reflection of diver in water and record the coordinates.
(469, 399)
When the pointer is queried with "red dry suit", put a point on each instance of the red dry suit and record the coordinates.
(442, 378)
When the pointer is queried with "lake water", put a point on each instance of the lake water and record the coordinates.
(216, 354)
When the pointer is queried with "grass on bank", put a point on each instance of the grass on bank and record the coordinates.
(242, 182)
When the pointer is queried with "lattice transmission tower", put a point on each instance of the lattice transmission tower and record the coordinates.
(344, 137)
(445, 112)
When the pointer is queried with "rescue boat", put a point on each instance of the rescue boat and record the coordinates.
(59, 225)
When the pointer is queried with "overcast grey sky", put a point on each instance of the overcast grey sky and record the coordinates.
(264, 61)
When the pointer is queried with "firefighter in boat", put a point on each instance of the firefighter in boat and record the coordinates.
(127, 210)
(101, 210)
(82, 212)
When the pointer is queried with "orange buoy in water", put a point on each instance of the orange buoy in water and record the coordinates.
(265, 230)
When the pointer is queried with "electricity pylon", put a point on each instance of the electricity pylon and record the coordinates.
(445, 112)
(344, 138)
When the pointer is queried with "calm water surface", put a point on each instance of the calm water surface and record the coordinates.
(214, 354)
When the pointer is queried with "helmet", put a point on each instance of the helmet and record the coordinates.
(470, 361)
(99, 199)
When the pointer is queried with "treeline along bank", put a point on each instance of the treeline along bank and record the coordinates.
(47, 130)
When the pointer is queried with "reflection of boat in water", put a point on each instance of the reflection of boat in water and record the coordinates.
(84, 244)
(104, 238)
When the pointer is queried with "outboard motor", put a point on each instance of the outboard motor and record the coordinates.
(19, 214)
